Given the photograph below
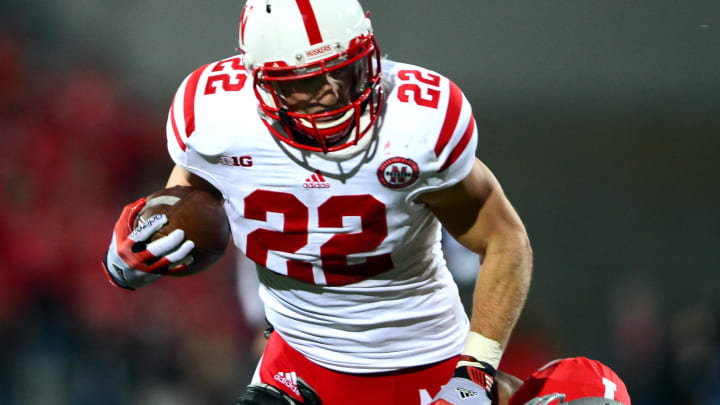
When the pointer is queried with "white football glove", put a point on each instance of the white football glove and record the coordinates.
(131, 263)
(472, 384)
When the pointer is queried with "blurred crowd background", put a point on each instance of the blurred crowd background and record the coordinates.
(601, 119)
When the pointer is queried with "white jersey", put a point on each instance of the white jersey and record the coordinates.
(350, 267)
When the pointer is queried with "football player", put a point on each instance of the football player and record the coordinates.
(572, 381)
(336, 169)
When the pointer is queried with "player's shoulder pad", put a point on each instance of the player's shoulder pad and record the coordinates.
(431, 118)
(442, 120)
(210, 94)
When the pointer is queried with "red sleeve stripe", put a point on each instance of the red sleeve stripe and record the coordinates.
(460, 147)
(451, 118)
(189, 100)
(175, 128)
(311, 24)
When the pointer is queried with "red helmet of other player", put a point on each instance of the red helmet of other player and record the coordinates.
(316, 70)
(574, 381)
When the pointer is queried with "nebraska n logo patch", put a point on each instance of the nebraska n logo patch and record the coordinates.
(398, 172)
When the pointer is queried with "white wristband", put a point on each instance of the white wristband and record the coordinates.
(482, 349)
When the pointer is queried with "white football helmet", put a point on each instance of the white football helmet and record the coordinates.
(315, 47)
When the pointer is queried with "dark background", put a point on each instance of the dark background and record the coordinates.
(601, 120)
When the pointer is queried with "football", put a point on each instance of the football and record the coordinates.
(199, 214)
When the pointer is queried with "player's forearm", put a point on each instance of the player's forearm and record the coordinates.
(499, 296)
(502, 287)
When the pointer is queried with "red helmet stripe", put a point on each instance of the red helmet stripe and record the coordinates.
(311, 24)
(460, 147)
(175, 128)
(189, 100)
(451, 118)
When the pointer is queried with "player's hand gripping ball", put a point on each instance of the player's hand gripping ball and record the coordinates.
(175, 231)
(199, 214)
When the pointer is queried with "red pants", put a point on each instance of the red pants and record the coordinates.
(281, 365)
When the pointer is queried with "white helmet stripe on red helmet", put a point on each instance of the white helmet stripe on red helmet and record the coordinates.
(311, 24)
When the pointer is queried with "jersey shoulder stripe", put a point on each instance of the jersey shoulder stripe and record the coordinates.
(186, 93)
(176, 132)
(452, 115)
(210, 108)
(461, 145)
(210, 95)
(189, 100)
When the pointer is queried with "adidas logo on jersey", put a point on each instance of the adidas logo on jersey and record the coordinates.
(289, 380)
(316, 181)
(466, 393)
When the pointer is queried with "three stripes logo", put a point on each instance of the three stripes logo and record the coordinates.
(316, 181)
(289, 380)
(481, 378)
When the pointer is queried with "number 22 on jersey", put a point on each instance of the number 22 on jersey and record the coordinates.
(333, 253)
(431, 82)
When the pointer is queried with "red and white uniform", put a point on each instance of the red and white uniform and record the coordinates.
(350, 267)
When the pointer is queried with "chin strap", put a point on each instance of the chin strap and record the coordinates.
(286, 122)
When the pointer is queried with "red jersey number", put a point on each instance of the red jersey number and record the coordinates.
(293, 236)
(227, 82)
(432, 82)
(333, 253)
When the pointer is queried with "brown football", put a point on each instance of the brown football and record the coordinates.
(199, 214)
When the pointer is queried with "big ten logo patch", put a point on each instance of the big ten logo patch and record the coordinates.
(244, 161)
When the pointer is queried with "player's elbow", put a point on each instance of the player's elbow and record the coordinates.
(514, 244)
(523, 249)
(513, 233)
(523, 243)
(526, 252)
